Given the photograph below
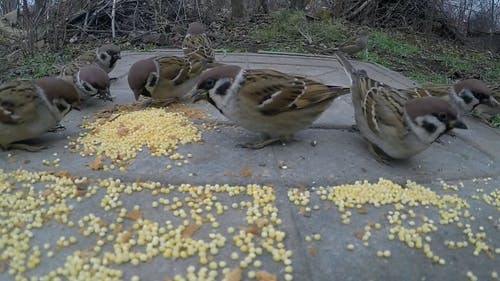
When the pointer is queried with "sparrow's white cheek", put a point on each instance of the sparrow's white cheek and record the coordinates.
(428, 128)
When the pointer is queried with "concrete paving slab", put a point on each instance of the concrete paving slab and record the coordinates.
(328, 154)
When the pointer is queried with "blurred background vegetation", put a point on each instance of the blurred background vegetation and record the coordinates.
(431, 41)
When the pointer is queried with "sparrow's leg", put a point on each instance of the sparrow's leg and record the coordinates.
(479, 115)
(268, 141)
(160, 103)
(259, 145)
(59, 127)
(379, 155)
(106, 97)
(27, 147)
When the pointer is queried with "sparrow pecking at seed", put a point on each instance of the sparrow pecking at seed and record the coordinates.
(265, 101)
(356, 44)
(90, 81)
(164, 79)
(397, 124)
(30, 108)
(105, 57)
(196, 44)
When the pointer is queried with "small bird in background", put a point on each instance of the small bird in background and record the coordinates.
(30, 108)
(90, 81)
(469, 96)
(164, 79)
(466, 94)
(356, 44)
(196, 44)
(395, 123)
(265, 101)
(105, 57)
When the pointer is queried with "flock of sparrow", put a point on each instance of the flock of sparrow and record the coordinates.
(396, 123)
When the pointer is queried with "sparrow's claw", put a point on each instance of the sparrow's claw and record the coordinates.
(354, 128)
(162, 103)
(379, 155)
(27, 147)
(57, 128)
(259, 145)
(262, 144)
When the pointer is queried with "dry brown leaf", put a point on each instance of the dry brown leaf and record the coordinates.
(234, 275)
(313, 251)
(135, 215)
(118, 228)
(63, 174)
(362, 211)
(359, 234)
(304, 212)
(122, 131)
(190, 230)
(126, 237)
(254, 229)
(3, 266)
(80, 192)
(191, 113)
(265, 276)
(98, 164)
(86, 255)
(246, 172)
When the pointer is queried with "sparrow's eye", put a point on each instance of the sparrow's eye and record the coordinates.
(61, 107)
(103, 56)
(208, 84)
(443, 117)
(87, 87)
(480, 96)
(467, 99)
(429, 127)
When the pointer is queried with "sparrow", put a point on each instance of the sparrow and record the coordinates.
(31, 108)
(397, 124)
(470, 96)
(105, 57)
(164, 79)
(466, 94)
(196, 44)
(356, 44)
(265, 101)
(90, 80)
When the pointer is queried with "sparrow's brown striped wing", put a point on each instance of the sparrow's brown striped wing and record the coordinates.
(274, 92)
(18, 101)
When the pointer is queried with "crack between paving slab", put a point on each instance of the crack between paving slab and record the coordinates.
(476, 146)
(314, 126)
(285, 204)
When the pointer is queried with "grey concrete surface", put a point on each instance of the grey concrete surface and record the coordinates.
(338, 156)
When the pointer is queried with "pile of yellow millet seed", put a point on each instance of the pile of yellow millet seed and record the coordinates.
(121, 137)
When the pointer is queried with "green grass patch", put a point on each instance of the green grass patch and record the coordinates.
(42, 64)
(496, 121)
(290, 31)
(424, 78)
(384, 43)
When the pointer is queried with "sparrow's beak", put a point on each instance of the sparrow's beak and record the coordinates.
(198, 94)
(106, 94)
(493, 102)
(458, 124)
(136, 95)
(76, 106)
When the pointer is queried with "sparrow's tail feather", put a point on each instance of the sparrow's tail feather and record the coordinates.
(345, 63)
(348, 68)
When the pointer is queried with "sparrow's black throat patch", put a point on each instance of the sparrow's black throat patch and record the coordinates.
(222, 89)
